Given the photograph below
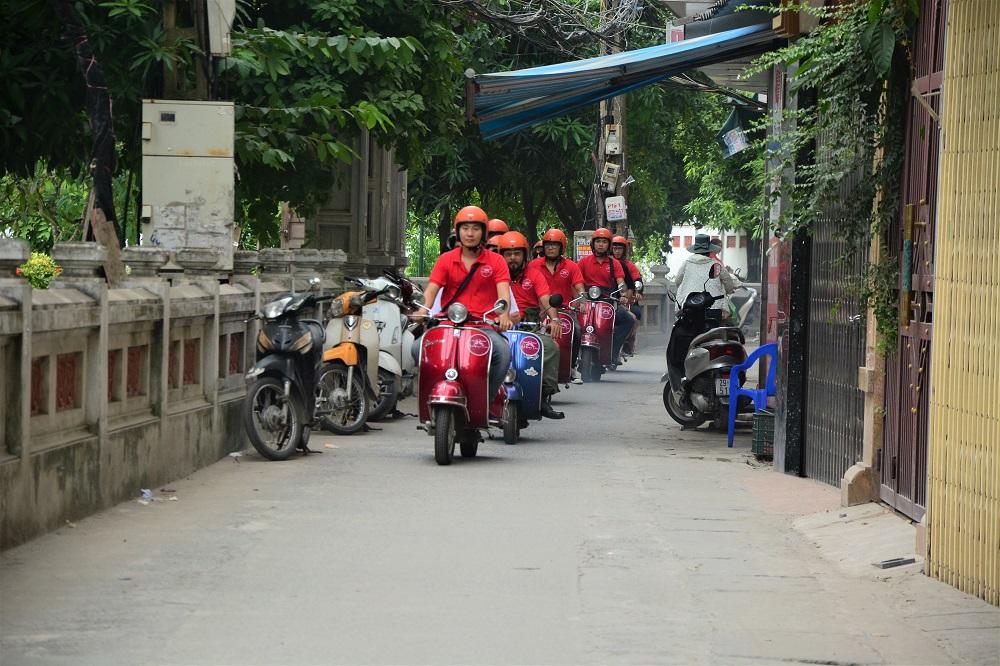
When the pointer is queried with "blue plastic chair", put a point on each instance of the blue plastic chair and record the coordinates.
(759, 396)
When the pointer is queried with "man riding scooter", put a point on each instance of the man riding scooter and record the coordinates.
(531, 292)
(475, 277)
(564, 278)
(600, 270)
(620, 247)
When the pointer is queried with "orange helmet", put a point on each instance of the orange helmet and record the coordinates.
(555, 236)
(471, 214)
(493, 243)
(602, 233)
(512, 240)
(620, 240)
(496, 226)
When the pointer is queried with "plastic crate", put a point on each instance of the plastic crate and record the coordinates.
(763, 434)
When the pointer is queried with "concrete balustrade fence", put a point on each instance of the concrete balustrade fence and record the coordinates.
(111, 390)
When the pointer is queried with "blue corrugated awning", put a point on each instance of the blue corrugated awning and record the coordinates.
(506, 102)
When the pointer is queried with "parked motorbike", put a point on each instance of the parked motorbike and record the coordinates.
(454, 382)
(350, 370)
(597, 319)
(700, 354)
(279, 406)
(397, 335)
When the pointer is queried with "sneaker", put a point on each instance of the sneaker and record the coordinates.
(577, 379)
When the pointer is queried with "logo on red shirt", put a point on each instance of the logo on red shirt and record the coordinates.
(526, 283)
(530, 346)
(486, 271)
(564, 273)
(607, 267)
(479, 345)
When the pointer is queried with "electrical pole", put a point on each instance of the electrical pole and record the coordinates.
(611, 141)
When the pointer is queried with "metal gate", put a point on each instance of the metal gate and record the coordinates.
(835, 404)
(903, 465)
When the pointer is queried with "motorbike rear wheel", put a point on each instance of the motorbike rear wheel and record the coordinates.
(273, 423)
(388, 394)
(469, 445)
(334, 410)
(444, 435)
(511, 422)
(687, 418)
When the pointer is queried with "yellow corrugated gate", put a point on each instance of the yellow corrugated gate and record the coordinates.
(963, 506)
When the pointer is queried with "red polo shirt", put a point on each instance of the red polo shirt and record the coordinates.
(598, 273)
(481, 293)
(529, 287)
(562, 279)
(633, 270)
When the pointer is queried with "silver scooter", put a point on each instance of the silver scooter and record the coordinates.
(396, 367)
(700, 355)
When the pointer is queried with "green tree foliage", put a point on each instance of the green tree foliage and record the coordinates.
(305, 76)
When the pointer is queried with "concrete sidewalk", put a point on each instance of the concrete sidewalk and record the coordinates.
(610, 537)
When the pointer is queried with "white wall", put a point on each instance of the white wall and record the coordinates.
(734, 257)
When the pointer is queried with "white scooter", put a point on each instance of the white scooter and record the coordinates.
(396, 369)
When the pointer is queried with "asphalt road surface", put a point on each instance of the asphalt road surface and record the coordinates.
(609, 537)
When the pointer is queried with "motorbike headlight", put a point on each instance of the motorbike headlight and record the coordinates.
(275, 308)
(594, 293)
(457, 313)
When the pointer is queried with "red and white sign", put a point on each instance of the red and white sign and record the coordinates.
(614, 208)
(530, 346)
(479, 345)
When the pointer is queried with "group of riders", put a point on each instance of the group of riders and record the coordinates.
(489, 262)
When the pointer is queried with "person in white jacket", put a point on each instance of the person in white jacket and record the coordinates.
(694, 275)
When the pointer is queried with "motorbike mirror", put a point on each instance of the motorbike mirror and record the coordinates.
(393, 292)
(500, 306)
(556, 300)
(639, 286)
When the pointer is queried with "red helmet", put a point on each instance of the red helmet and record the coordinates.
(620, 240)
(602, 233)
(512, 240)
(496, 226)
(555, 236)
(471, 214)
(493, 243)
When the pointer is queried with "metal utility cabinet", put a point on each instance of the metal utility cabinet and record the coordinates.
(187, 176)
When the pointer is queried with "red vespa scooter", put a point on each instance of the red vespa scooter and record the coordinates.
(567, 318)
(454, 382)
(597, 319)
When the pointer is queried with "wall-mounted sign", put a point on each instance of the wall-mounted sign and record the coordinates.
(614, 208)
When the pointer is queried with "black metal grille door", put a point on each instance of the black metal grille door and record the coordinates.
(834, 404)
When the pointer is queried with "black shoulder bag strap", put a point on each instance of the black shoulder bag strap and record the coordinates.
(461, 287)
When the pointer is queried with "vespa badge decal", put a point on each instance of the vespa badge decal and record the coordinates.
(479, 345)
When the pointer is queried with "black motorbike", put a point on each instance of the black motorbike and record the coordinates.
(700, 354)
(280, 404)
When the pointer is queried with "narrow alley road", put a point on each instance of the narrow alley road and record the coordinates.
(612, 536)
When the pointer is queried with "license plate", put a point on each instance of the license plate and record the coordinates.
(722, 387)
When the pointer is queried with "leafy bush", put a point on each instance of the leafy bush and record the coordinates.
(39, 270)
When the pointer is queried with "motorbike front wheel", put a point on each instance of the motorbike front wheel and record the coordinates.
(511, 423)
(388, 394)
(338, 410)
(687, 418)
(589, 371)
(444, 435)
(273, 423)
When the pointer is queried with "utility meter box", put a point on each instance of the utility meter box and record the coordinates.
(612, 140)
(609, 179)
(581, 244)
(187, 176)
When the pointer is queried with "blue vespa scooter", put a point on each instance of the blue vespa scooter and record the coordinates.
(523, 384)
